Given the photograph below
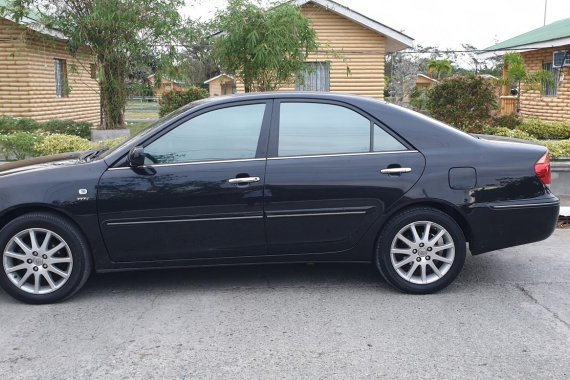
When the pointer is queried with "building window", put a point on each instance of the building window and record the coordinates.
(60, 67)
(315, 78)
(548, 88)
(93, 71)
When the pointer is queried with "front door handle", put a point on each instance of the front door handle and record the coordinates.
(244, 180)
(395, 170)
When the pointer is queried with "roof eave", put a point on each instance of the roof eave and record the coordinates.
(34, 25)
(396, 40)
(524, 48)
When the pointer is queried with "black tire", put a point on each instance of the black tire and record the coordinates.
(431, 282)
(78, 270)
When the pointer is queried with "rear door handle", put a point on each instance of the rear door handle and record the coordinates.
(395, 170)
(241, 181)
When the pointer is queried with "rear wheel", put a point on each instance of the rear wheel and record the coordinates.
(45, 258)
(421, 251)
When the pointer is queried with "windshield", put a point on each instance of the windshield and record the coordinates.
(152, 127)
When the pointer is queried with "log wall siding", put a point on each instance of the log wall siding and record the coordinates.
(27, 78)
(533, 103)
(356, 54)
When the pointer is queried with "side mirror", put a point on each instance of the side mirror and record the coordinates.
(136, 156)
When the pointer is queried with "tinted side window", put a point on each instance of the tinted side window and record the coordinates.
(223, 134)
(314, 128)
(383, 142)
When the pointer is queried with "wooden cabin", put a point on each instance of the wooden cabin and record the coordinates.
(545, 48)
(353, 50)
(166, 85)
(39, 78)
(222, 84)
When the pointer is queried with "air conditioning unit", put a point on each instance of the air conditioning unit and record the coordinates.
(561, 59)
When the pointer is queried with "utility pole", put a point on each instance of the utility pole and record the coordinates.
(545, 7)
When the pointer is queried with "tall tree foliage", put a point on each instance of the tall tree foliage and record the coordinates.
(118, 33)
(265, 49)
(439, 68)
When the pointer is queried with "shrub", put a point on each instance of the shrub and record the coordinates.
(110, 143)
(11, 124)
(546, 129)
(465, 102)
(172, 100)
(68, 127)
(557, 148)
(419, 99)
(506, 132)
(507, 121)
(59, 143)
(19, 145)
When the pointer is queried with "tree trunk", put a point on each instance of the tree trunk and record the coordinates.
(113, 94)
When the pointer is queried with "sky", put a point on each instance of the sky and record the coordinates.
(441, 23)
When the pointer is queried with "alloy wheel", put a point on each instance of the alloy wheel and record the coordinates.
(422, 252)
(37, 261)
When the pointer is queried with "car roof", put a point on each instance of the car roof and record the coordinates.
(289, 95)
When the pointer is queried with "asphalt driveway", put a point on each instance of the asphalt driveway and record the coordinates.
(506, 316)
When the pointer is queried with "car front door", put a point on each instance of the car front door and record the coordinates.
(200, 193)
(331, 172)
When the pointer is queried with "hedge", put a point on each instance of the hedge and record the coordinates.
(58, 143)
(19, 145)
(546, 130)
(10, 125)
(172, 100)
(557, 148)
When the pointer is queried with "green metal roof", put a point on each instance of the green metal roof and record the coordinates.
(554, 31)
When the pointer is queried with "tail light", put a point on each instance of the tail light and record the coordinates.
(542, 169)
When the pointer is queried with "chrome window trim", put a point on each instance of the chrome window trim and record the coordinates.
(343, 154)
(270, 158)
(181, 220)
(193, 163)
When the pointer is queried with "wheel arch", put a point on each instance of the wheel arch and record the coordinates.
(18, 211)
(440, 205)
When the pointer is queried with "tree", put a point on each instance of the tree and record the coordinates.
(197, 63)
(465, 101)
(401, 70)
(118, 33)
(439, 67)
(263, 48)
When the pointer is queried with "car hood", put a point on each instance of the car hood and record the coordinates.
(40, 163)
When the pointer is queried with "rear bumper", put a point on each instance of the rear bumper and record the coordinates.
(507, 224)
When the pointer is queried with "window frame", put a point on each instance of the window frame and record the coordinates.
(273, 151)
(60, 88)
(301, 87)
(555, 71)
(262, 143)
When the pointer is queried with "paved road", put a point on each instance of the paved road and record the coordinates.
(507, 316)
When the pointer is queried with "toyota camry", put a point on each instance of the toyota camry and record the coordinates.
(273, 178)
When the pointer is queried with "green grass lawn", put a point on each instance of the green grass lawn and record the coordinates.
(141, 112)
(136, 128)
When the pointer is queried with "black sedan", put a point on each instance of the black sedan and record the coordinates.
(273, 178)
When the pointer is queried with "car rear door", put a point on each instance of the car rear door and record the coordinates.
(200, 195)
(331, 172)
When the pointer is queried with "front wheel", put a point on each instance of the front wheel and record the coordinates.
(45, 258)
(421, 251)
